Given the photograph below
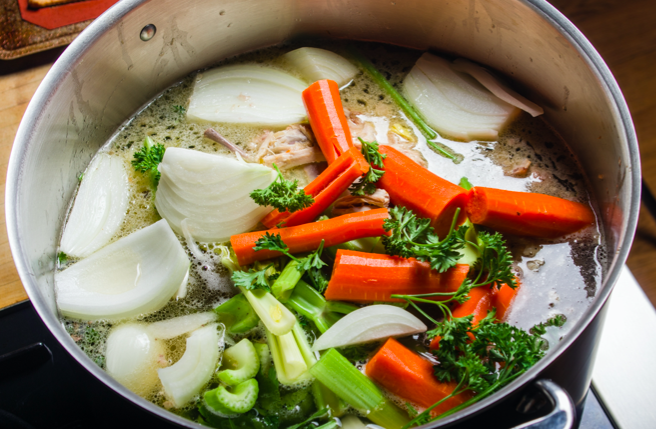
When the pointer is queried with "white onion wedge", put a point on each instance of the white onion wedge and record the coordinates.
(316, 64)
(453, 103)
(135, 275)
(212, 192)
(247, 94)
(131, 357)
(99, 207)
(184, 379)
(171, 328)
(486, 79)
(367, 324)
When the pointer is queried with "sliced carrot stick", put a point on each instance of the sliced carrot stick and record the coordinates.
(426, 194)
(525, 213)
(409, 376)
(478, 304)
(306, 237)
(324, 189)
(327, 119)
(502, 298)
(367, 277)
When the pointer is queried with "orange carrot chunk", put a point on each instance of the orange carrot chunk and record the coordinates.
(478, 304)
(527, 214)
(367, 277)
(327, 119)
(409, 376)
(325, 189)
(426, 194)
(307, 237)
(502, 298)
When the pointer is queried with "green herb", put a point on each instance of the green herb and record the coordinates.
(557, 321)
(148, 158)
(465, 183)
(283, 194)
(311, 264)
(367, 184)
(80, 177)
(414, 237)
(180, 110)
(498, 354)
(254, 279)
(62, 258)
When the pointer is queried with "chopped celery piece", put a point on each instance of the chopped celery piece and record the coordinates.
(240, 363)
(326, 398)
(291, 356)
(264, 355)
(284, 285)
(240, 400)
(275, 316)
(310, 303)
(340, 376)
(237, 314)
(367, 245)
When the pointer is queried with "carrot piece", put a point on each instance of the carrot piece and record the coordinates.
(324, 189)
(367, 277)
(426, 194)
(327, 119)
(502, 298)
(525, 213)
(306, 237)
(478, 304)
(409, 376)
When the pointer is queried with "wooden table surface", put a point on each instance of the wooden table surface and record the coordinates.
(623, 32)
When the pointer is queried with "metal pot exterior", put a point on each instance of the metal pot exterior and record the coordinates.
(109, 73)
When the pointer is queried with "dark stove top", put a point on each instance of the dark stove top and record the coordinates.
(42, 386)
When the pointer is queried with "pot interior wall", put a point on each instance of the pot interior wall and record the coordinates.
(108, 73)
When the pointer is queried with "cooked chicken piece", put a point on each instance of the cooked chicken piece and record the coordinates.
(288, 148)
(353, 203)
(519, 169)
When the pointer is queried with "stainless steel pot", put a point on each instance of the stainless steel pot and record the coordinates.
(116, 65)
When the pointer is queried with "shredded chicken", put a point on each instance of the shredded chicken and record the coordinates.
(288, 148)
(353, 203)
(520, 169)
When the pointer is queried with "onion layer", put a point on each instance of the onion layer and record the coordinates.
(316, 64)
(171, 328)
(367, 324)
(99, 207)
(453, 103)
(131, 357)
(247, 94)
(184, 379)
(212, 192)
(135, 275)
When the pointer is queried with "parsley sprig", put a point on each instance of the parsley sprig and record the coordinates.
(498, 354)
(148, 158)
(255, 279)
(310, 264)
(367, 183)
(413, 237)
(283, 194)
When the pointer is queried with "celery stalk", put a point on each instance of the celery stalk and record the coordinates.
(340, 376)
(291, 356)
(284, 285)
(310, 303)
(275, 316)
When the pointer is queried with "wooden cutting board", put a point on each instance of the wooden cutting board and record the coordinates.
(621, 30)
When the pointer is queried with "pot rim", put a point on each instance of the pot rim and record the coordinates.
(64, 65)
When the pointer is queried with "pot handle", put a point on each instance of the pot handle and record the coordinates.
(563, 414)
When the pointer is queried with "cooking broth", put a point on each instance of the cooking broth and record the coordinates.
(558, 277)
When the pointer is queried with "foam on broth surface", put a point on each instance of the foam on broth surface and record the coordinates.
(557, 277)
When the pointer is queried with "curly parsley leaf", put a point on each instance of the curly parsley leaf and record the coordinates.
(285, 195)
(413, 237)
(180, 110)
(367, 183)
(495, 262)
(148, 158)
(253, 279)
(271, 242)
(557, 321)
